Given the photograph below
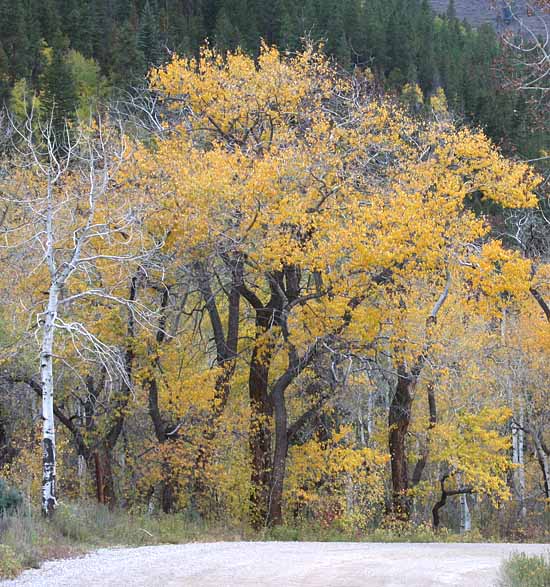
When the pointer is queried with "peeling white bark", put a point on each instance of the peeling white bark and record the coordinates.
(49, 498)
(520, 440)
(465, 515)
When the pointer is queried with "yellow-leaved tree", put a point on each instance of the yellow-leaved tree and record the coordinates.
(318, 224)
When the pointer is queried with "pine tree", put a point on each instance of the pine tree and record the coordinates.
(129, 65)
(426, 48)
(4, 77)
(149, 37)
(14, 38)
(226, 35)
(59, 99)
(375, 27)
(49, 19)
(288, 33)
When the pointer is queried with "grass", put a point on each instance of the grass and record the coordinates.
(26, 539)
(391, 531)
(521, 570)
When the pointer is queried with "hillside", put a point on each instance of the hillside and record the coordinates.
(479, 12)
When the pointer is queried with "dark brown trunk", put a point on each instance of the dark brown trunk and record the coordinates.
(169, 489)
(435, 511)
(423, 460)
(259, 436)
(443, 499)
(399, 420)
(105, 490)
(275, 514)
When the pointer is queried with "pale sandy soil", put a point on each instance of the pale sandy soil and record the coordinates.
(281, 564)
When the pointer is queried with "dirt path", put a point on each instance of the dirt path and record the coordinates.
(281, 564)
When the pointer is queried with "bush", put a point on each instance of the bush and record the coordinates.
(72, 523)
(521, 570)
(10, 565)
(10, 498)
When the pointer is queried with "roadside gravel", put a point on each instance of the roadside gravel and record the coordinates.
(281, 564)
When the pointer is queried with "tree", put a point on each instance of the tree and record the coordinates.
(263, 178)
(59, 100)
(149, 39)
(58, 205)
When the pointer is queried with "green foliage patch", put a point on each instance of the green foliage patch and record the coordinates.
(521, 570)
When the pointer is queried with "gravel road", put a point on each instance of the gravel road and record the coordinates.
(281, 564)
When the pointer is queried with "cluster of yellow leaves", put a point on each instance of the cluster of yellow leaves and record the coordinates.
(321, 472)
(474, 446)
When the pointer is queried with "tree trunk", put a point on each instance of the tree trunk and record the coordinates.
(49, 498)
(275, 516)
(399, 420)
(518, 442)
(259, 436)
(169, 490)
(423, 460)
(435, 511)
(462, 491)
(465, 516)
(544, 462)
(105, 487)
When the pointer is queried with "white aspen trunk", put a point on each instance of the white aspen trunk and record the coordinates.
(362, 439)
(518, 438)
(370, 417)
(82, 476)
(49, 500)
(521, 463)
(465, 515)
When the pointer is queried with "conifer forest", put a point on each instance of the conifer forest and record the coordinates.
(277, 265)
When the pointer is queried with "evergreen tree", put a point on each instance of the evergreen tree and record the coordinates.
(375, 27)
(4, 77)
(14, 38)
(226, 34)
(59, 99)
(288, 33)
(426, 64)
(149, 37)
(129, 65)
(49, 19)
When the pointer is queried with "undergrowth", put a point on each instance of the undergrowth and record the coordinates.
(521, 570)
(27, 539)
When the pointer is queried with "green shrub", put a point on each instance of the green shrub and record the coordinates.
(521, 570)
(283, 534)
(72, 523)
(10, 498)
(10, 565)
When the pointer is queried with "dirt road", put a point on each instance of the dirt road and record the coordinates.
(281, 564)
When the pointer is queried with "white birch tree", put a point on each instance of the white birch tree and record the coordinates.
(64, 217)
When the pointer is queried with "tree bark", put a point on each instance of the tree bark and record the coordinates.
(105, 487)
(544, 462)
(400, 416)
(443, 499)
(259, 431)
(275, 515)
(399, 420)
(423, 460)
(49, 497)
